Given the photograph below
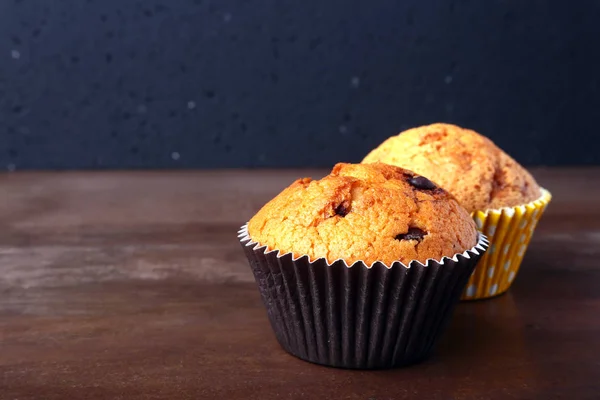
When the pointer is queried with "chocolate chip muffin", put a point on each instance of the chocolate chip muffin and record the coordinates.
(470, 166)
(361, 269)
(365, 212)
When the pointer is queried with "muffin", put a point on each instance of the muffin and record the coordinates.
(362, 268)
(502, 196)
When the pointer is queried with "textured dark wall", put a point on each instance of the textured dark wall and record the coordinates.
(230, 83)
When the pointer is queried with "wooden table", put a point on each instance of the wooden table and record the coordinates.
(132, 285)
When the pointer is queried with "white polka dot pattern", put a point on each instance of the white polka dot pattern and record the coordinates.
(471, 291)
(511, 276)
(523, 238)
(479, 223)
(510, 231)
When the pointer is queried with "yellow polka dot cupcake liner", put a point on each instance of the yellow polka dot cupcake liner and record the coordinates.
(509, 231)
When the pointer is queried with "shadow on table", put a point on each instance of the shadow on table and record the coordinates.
(484, 330)
(483, 354)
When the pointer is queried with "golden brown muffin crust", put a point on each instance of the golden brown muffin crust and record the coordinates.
(373, 212)
(470, 166)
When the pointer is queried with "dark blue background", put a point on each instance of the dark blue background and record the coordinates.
(236, 83)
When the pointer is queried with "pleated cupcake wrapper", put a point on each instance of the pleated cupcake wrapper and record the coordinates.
(509, 231)
(358, 316)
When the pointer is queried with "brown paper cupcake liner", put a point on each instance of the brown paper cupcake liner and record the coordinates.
(358, 316)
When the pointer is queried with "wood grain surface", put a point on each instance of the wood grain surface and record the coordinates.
(132, 285)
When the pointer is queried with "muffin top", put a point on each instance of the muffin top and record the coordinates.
(369, 212)
(467, 164)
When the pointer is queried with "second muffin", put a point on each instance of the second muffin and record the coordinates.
(362, 268)
(502, 196)
(468, 165)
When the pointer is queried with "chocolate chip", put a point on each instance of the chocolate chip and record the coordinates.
(420, 182)
(342, 210)
(412, 234)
